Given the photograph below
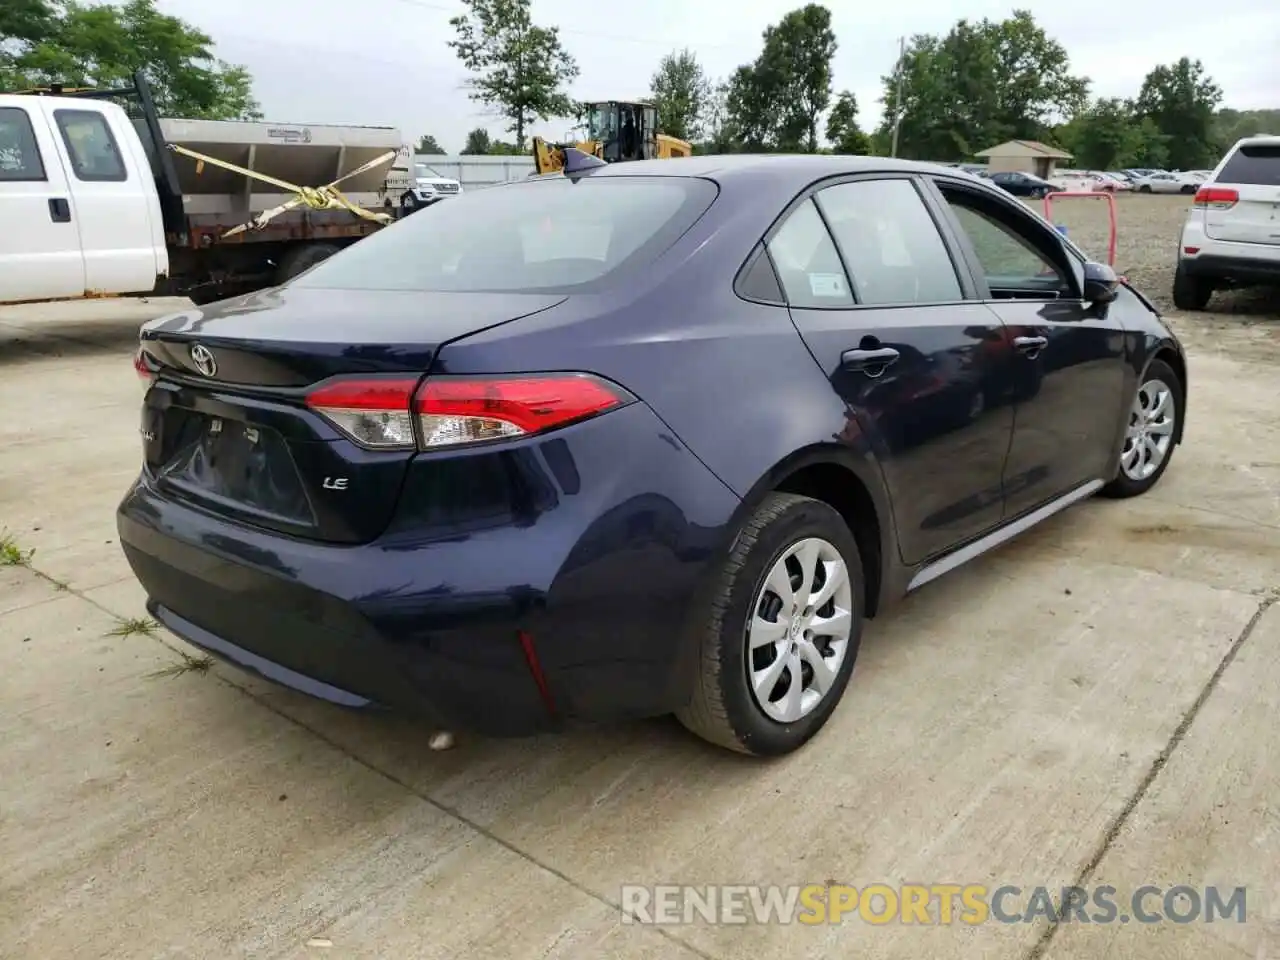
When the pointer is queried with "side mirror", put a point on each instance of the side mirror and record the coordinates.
(1101, 285)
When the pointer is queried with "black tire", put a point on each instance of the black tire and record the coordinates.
(408, 204)
(1122, 485)
(1187, 189)
(1190, 292)
(302, 258)
(723, 709)
(1145, 188)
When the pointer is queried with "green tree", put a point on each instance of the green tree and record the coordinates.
(519, 68)
(680, 91)
(102, 45)
(718, 131)
(979, 85)
(1180, 100)
(1232, 125)
(500, 148)
(843, 132)
(776, 102)
(478, 142)
(428, 144)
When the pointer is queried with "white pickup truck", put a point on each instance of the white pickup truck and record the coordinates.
(94, 202)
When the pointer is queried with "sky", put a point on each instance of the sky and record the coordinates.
(386, 62)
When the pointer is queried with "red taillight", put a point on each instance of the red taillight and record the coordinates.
(471, 410)
(1220, 198)
(374, 411)
(142, 368)
(378, 412)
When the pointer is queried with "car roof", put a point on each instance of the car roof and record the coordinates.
(1261, 140)
(801, 166)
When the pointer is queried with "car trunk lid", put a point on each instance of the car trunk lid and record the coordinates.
(226, 424)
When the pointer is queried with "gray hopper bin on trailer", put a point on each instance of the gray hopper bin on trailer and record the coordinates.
(311, 155)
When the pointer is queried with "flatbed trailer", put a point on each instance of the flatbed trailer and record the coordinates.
(239, 205)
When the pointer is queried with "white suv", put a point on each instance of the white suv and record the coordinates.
(1232, 234)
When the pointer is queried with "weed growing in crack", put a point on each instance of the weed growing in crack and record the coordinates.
(188, 664)
(134, 626)
(12, 553)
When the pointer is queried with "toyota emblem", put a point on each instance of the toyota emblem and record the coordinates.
(202, 357)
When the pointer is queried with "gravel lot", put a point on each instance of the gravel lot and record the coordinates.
(1244, 324)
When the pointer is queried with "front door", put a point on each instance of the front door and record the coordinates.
(883, 309)
(1069, 369)
(116, 201)
(40, 256)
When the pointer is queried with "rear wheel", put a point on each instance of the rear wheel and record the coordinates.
(408, 203)
(782, 630)
(1150, 432)
(1145, 188)
(1187, 188)
(1190, 292)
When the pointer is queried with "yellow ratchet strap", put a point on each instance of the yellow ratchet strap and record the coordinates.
(328, 197)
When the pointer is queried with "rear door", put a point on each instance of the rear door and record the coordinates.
(1069, 368)
(116, 202)
(1253, 171)
(875, 293)
(40, 257)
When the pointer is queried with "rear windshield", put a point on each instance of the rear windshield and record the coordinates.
(547, 234)
(1254, 165)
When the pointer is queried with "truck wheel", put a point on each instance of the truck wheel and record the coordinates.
(408, 204)
(303, 258)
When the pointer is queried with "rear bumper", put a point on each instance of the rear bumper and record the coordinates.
(597, 579)
(1237, 269)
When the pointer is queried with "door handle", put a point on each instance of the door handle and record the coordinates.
(870, 362)
(59, 210)
(1031, 346)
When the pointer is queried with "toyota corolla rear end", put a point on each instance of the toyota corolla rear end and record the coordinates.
(327, 502)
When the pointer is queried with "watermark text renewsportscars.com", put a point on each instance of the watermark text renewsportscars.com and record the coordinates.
(928, 904)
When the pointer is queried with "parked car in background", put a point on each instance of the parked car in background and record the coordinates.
(1120, 177)
(1136, 173)
(1021, 184)
(1167, 183)
(1074, 180)
(1108, 182)
(1231, 237)
(480, 467)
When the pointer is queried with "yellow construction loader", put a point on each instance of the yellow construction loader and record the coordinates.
(617, 131)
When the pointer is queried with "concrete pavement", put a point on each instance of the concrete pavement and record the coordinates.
(1091, 704)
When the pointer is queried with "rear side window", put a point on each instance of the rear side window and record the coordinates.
(807, 262)
(890, 243)
(19, 156)
(549, 235)
(1253, 165)
(95, 155)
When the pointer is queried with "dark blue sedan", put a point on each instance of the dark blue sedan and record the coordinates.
(652, 438)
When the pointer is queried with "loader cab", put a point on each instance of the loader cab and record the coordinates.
(626, 130)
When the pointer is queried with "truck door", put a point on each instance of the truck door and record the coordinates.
(40, 256)
(116, 202)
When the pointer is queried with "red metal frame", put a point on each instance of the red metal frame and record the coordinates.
(1097, 195)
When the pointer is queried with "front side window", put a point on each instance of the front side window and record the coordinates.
(95, 156)
(1011, 260)
(19, 154)
(535, 235)
(890, 243)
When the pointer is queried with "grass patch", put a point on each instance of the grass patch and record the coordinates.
(188, 664)
(12, 553)
(134, 626)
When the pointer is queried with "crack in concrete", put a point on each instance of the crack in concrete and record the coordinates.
(1112, 833)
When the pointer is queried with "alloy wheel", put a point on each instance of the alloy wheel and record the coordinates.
(798, 634)
(1150, 431)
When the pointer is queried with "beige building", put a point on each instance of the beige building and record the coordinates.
(1024, 156)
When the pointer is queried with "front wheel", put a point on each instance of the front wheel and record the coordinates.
(1145, 188)
(409, 203)
(781, 631)
(1149, 437)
